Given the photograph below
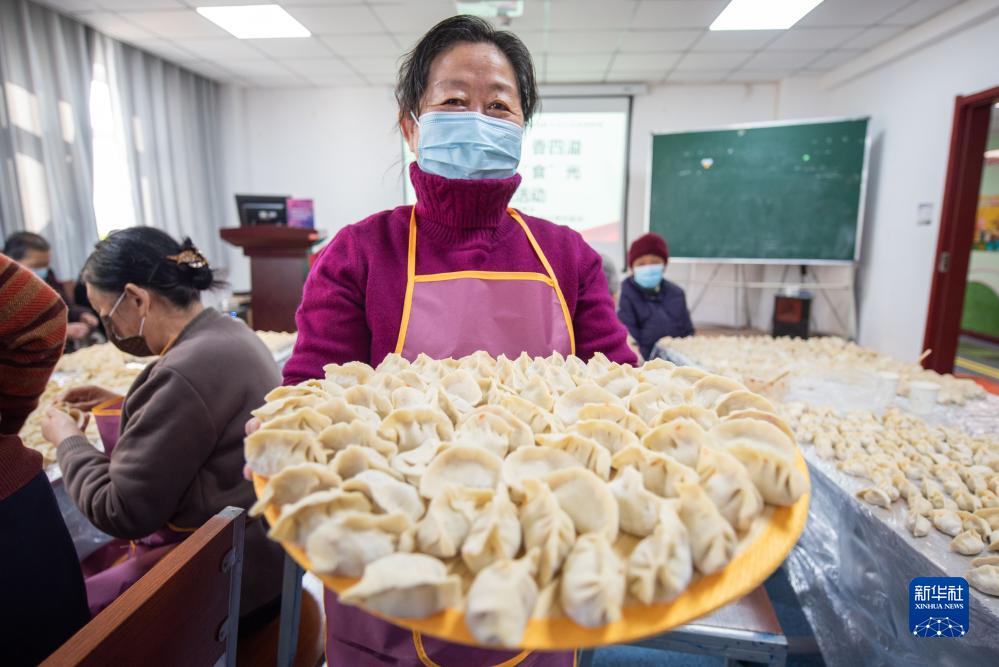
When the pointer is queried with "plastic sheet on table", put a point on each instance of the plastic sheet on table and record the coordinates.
(851, 572)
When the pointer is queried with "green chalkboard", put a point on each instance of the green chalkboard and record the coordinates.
(766, 193)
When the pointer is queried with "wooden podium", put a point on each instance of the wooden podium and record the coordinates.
(279, 263)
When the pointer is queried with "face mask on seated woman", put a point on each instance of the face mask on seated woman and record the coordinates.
(468, 145)
(649, 276)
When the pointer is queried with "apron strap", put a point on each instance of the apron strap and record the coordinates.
(551, 274)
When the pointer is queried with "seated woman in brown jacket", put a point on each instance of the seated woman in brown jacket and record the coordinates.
(178, 458)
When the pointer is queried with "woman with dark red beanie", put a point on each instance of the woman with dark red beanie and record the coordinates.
(651, 306)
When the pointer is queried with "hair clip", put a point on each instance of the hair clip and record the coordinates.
(189, 257)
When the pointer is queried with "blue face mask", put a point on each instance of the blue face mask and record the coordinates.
(42, 272)
(649, 276)
(468, 145)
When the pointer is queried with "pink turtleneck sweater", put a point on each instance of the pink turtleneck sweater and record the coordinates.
(352, 304)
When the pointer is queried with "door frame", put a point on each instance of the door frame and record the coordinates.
(969, 135)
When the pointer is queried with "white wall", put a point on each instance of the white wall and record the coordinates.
(336, 146)
(911, 103)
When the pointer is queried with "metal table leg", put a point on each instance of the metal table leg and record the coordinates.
(291, 600)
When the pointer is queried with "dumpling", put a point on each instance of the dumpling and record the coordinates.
(585, 450)
(661, 566)
(495, 533)
(268, 452)
(599, 364)
(558, 379)
(567, 405)
(638, 508)
(917, 524)
(707, 391)
(302, 419)
(387, 493)
(445, 526)
(463, 390)
(762, 416)
(968, 543)
(547, 528)
(534, 463)
(369, 398)
(687, 375)
(340, 410)
(530, 414)
(353, 460)
(393, 363)
(413, 463)
(383, 383)
(345, 544)
(712, 539)
(661, 474)
(990, 515)
(755, 431)
(587, 500)
(984, 578)
(469, 466)
(775, 475)
(338, 436)
(649, 404)
(501, 600)
(294, 483)
(299, 519)
(742, 399)
(411, 427)
(285, 406)
(730, 488)
(875, 496)
(611, 436)
(703, 416)
(411, 397)
(279, 393)
(349, 374)
(489, 431)
(656, 371)
(619, 381)
(593, 581)
(537, 391)
(946, 521)
(614, 413)
(681, 438)
(521, 434)
(405, 585)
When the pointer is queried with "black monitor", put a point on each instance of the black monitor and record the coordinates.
(262, 209)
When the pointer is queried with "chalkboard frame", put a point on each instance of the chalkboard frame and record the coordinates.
(861, 204)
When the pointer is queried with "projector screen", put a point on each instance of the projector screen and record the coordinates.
(574, 166)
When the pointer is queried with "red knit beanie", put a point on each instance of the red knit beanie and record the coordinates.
(648, 244)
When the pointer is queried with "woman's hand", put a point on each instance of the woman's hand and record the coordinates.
(59, 425)
(77, 330)
(251, 426)
(86, 397)
(89, 319)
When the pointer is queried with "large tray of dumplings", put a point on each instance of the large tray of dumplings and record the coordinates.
(540, 503)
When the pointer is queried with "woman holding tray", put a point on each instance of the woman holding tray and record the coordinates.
(457, 273)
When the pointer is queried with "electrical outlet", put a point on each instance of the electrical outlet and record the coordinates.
(924, 214)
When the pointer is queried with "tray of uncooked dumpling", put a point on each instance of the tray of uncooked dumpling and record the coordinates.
(540, 503)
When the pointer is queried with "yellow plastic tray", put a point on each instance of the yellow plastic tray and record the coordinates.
(746, 571)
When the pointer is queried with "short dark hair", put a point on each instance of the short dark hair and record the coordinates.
(18, 244)
(141, 255)
(415, 69)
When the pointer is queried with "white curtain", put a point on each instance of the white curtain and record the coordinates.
(96, 135)
(46, 183)
(173, 143)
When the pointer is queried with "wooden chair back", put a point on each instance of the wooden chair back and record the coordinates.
(184, 611)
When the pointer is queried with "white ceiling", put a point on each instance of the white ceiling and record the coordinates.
(359, 42)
